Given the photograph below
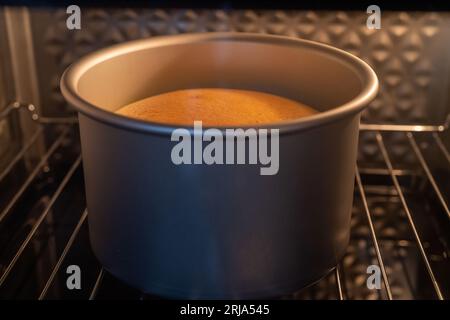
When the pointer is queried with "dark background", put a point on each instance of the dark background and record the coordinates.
(428, 5)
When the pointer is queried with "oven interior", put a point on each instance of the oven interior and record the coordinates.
(400, 219)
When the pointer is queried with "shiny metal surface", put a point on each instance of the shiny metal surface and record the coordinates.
(403, 128)
(219, 231)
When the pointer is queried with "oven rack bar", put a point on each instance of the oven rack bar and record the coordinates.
(39, 221)
(427, 171)
(37, 169)
(441, 146)
(21, 153)
(403, 128)
(338, 272)
(63, 255)
(373, 235)
(31, 108)
(338, 277)
(406, 208)
(97, 284)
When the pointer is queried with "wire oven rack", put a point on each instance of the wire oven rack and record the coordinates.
(400, 220)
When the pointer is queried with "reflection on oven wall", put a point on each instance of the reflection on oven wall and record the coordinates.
(409, 53)
(8, 139)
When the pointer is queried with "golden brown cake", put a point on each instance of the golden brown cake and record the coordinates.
(216, 107)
